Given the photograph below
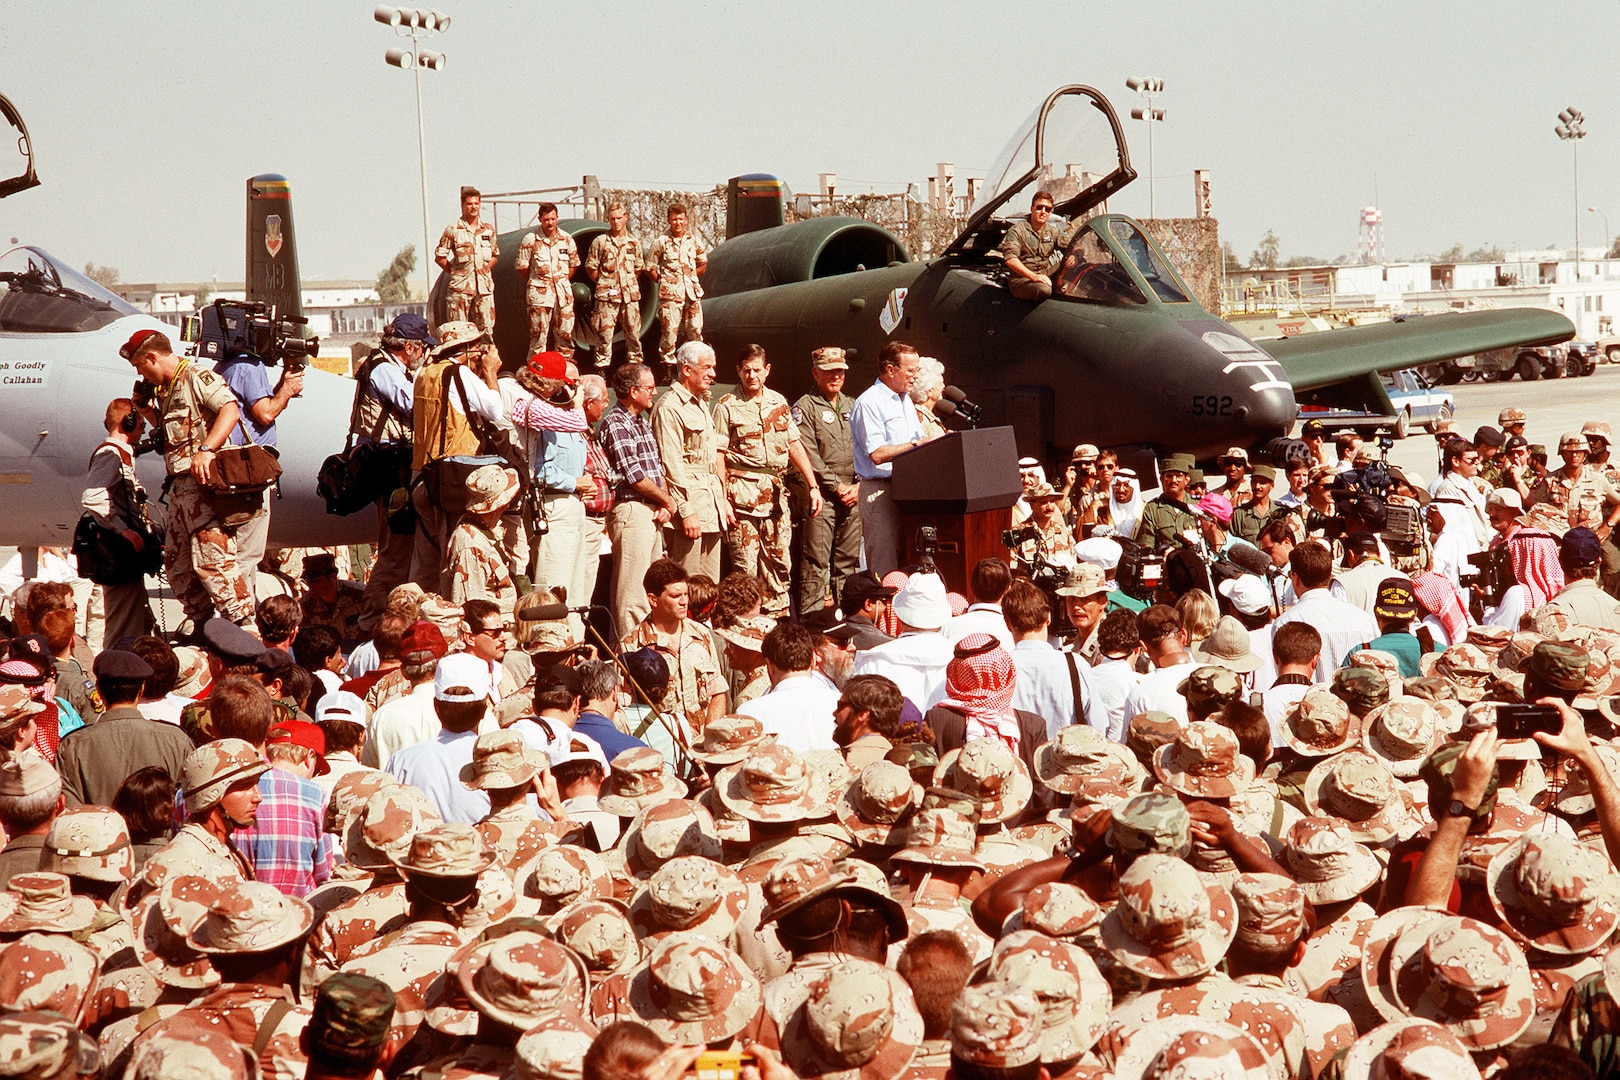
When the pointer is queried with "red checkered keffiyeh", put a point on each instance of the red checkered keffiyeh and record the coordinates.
(46, 723)
(958, 602)
(1535, 565)
(1444, 601)
(888, 621)
(979, 685)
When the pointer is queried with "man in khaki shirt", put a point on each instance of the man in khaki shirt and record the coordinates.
(689, 448)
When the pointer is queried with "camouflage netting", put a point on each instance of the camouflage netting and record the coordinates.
(1194, 247)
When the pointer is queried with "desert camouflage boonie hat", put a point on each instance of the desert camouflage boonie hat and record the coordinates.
(251, 917)
(1211, 685)
(17, 705)
(1270, 911)
(214, 768)
(599, 930)
(728, 739)
(350, 792)
(553, 1049)
(50, 972)
(940, 838)
(45, 902)
(1554, 893)
(1401, 734)
(454, 336)
(89, 842)
(747, 634)
(639, 778)
(351, 1014)
(162, 922)
(1056, 909)
(562, 874)
(1074, 996)
(665, 831)
(773, 784)
(1362, 688)
(857, 1022)
(1182, 1047)
(451, 849)
(1080, 753)
(996, 1025)
(1465, 666)
(183, 1049)
(1385, 664)
(1359, 789)
(1407, 1047)
(1168, 923)
(37, 1045)
(1151, 823)
(988, 770)
(1327, 862)
(1148, 731)
(689, 893)
(878, 804)
(381, 829)
(1436, 773)
(694, 990)
(1576, 796)
(1466, 976)
(1204, 761)
(501, 759)
(1318, 724)
(523, 978)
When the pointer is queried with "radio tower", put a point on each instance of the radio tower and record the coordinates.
(1370, 244)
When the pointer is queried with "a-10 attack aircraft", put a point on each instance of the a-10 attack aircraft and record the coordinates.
(1119, 356)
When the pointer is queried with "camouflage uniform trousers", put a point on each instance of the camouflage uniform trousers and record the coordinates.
(469, 307)
(550, 327)
(200, 558)
(610, 315)
(679, 321)
(832, 551)
(757, 545)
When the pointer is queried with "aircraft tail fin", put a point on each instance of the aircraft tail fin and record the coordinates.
(272, 252)
(753, 202)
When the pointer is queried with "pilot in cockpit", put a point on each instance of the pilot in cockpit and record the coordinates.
(1029, 250)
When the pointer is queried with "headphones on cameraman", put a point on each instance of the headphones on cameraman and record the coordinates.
(130, 423)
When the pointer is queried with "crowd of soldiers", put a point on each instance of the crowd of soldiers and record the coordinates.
(1317, 803)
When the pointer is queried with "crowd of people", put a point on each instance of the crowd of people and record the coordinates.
(1332, 797)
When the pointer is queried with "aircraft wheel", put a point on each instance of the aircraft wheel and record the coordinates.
(1528, 368)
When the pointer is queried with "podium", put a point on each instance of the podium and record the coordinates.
(962, 485)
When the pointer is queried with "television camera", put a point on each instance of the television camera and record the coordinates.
(237, 330)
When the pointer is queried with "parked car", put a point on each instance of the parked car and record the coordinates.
(1418, 404)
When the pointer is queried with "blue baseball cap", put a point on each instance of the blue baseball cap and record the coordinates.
(1580, 547)
(410, 326)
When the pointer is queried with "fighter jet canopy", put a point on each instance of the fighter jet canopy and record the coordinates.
(40, 294)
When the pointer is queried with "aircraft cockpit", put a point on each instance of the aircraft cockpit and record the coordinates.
(1109, 259)
(40, 294)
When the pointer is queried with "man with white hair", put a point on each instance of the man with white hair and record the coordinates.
(915, 660)
(595, 401)
(689, 448)
(882, 426)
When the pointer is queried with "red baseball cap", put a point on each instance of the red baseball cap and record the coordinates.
(549, 365)
(423, 637)
(127, 349)
(305, 734)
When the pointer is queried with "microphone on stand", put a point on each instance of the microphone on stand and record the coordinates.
(964, 408)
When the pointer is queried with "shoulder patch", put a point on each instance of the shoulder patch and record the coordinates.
(798, 415)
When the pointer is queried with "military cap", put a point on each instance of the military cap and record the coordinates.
(1073, 993)
(773, 784)
(1086, 579)
(1326, 860)
(1270, 911)
(1580, 547)
(1146, 732)
(919, 759)
(449, 849)
(1211, 684)
(213, 769)
(351, 1014)
(275, 662)
(829, 358)
(1181, 463)
(1363, 689)
(1263, 472)
(1318, 724)
(639, 778)
(89, 842)
(36, 1045)
(1467, 976)
(27, 773)
(689, 893)
(121, 664)
(1154, 822)
(1518, 442)
(1195, 477)
(800, 880)
(380, 827)
(693, 990)
(1401, 733)
(938, 837)
(230, 642)
(1360, 789)
(48, 971)
(319, 564)
(1174, 1047)
(1409, 1047)
(1204, 760)
(988, 770)
(857, 1022)
(17, 705)
(600, 931)
(45, 902)
(1538, 450)
(1554, 894)
(666, 830)
(996, 1025)
(1436, 773)
(501, 759)
(1080, 753)
(1560, 667)
(1055, 909)
(251, 917)
(1486, 435)
(456, 336)
(1169, 924)
(522, 978)
(1396, 600)
(553, 1049)
(878, 805)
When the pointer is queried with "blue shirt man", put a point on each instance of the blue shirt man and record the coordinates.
(600, 730)
(249, 380)
(882, 425)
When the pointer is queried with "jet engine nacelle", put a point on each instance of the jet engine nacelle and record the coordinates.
(804, 251)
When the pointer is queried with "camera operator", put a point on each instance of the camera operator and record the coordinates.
(384, 417)
(260, 404)
(196, 411)
(114, 498)
(1537, 575)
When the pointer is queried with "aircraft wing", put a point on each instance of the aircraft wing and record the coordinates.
(1317, 360)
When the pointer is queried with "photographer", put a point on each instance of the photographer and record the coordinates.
(1047, 536)
(260, 405)
(197, 412)
(383, 416)
(114, 498)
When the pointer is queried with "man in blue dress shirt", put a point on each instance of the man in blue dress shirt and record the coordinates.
(883, 425)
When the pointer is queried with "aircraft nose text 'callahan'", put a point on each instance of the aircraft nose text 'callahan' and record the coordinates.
(1262, 397)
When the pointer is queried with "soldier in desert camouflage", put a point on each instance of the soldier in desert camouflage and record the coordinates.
(614, 265)
(467, 252)
(549, 257)
(678, 259)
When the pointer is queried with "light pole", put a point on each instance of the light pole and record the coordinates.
(1605, 217)
(1147, 87)
(415, 23)
(1571, 127)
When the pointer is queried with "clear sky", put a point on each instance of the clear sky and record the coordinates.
(148, 116)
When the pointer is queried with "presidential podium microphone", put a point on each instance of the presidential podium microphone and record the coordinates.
(964, 408)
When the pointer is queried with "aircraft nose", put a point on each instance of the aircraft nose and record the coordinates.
(1262, 395)
(1268, 412)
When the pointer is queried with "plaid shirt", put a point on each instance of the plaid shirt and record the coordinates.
(287, 847)
(596, 464)
(631, 451)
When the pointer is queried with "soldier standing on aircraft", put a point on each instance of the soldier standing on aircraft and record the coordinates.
(197, 413)
(1166, 518)
(613, 264)
(467, 251)
(678, 259)
(690, 451)
(1030, 250)
(831, 540)
(549, 256)
(759, 440)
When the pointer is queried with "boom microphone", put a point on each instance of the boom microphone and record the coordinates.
(551, 612)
